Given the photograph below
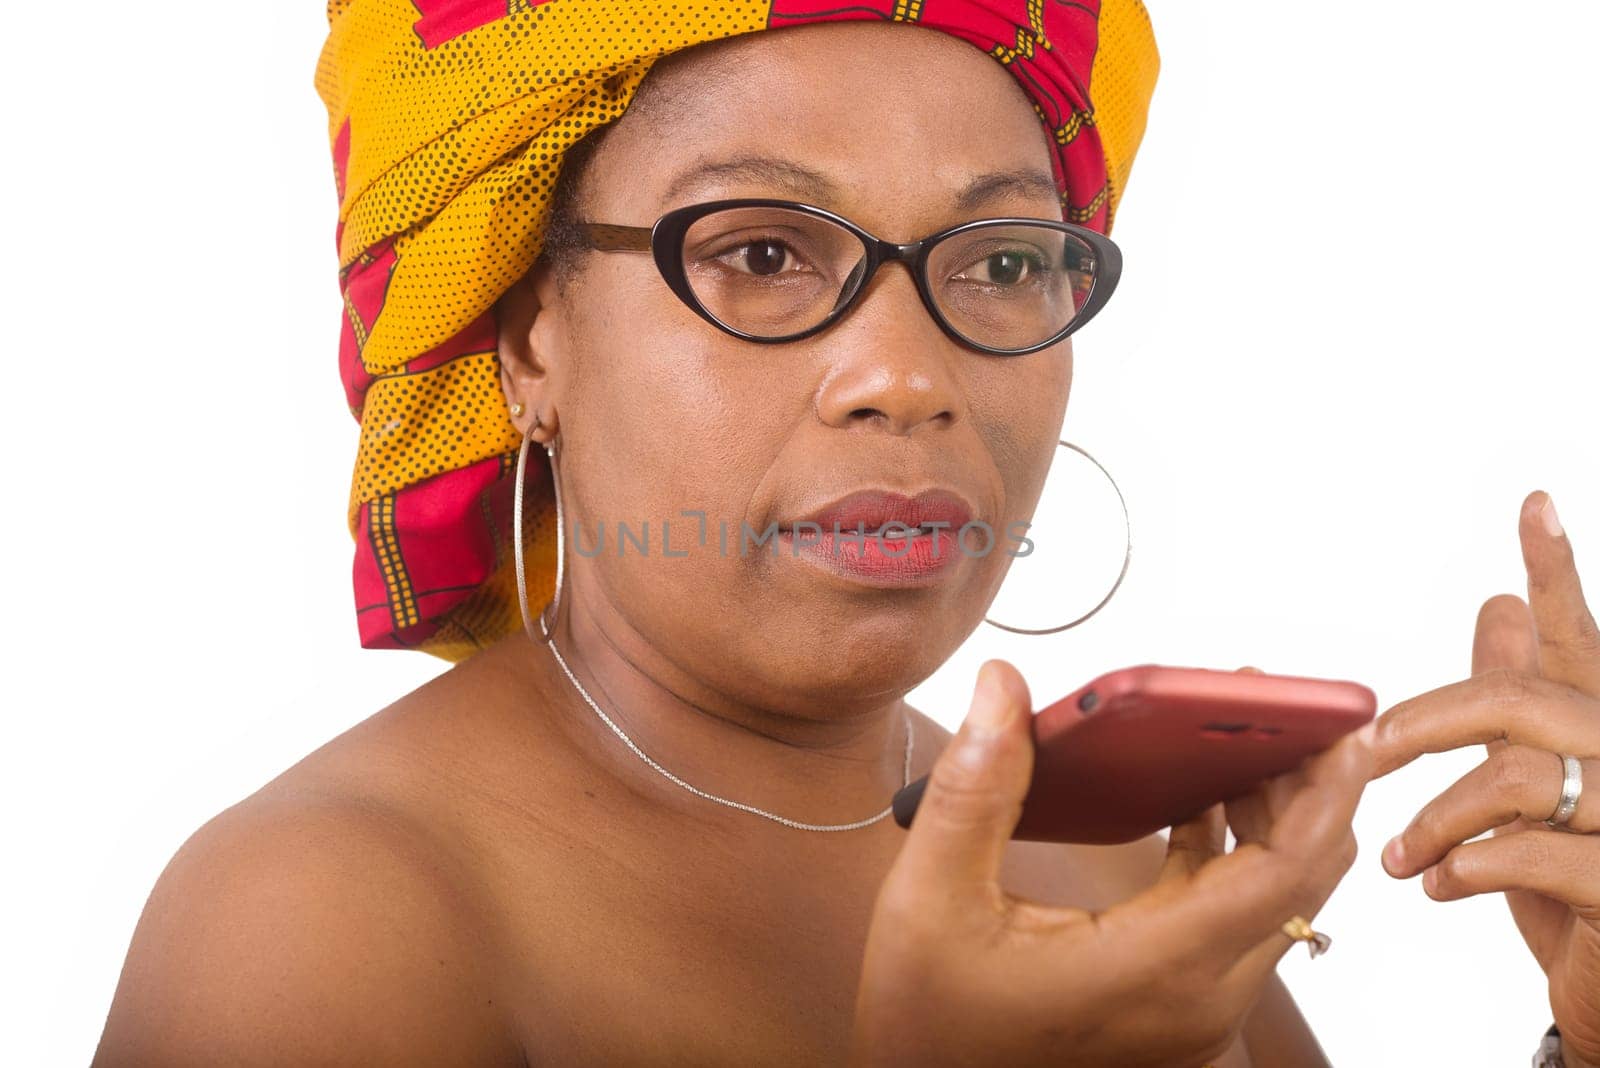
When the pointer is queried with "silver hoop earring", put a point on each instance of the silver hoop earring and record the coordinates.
(1127, 557)
(546, 627)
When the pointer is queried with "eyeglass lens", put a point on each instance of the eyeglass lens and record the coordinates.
(772, 272)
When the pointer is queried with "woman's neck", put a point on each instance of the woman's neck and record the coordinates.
(809, 762)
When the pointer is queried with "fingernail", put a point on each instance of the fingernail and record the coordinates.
(1430, 879)
(1394, 856)
(1552, 522)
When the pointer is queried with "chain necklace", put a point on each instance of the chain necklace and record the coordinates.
(642, 755)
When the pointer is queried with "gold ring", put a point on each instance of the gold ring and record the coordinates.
(1298, 929)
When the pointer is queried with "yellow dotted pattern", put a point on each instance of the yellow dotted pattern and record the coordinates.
(1121, 83)
(413, 426)
(456, 149)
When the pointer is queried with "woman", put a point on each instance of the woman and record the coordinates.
(485, 871)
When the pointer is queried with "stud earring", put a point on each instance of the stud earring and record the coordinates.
(517, 410)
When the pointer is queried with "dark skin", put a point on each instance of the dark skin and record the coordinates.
(1534, 692)
(482, 872)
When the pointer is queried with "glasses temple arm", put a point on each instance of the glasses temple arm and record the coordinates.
(604, 237)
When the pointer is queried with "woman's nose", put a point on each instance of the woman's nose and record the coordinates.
(891, 365)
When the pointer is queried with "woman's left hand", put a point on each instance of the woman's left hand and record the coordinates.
(1534, 695)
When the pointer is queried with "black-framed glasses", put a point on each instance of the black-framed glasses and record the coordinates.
(771, 271)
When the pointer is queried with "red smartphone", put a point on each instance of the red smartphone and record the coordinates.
(1148, 747)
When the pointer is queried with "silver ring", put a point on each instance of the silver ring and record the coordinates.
(1571, 790)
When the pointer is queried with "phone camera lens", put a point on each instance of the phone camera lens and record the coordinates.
(1087, 702)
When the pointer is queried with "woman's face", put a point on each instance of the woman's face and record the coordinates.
(659, 413)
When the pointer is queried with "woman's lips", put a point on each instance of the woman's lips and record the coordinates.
(871, 509)
(881, 537)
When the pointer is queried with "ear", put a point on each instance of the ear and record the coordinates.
(531, 320)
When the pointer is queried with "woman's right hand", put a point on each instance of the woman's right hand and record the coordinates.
(958, 971)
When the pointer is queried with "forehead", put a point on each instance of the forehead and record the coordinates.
(888, 114)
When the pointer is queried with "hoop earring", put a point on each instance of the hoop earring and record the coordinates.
(1127, 558)
(546, 629)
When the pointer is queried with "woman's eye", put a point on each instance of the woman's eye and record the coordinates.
(1005, 267)
(763, 258)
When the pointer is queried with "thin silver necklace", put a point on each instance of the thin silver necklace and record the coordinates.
(642, 755)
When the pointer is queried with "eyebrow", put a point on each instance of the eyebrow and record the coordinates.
(793, 177)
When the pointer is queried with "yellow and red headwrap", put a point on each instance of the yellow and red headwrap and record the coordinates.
(449, 120)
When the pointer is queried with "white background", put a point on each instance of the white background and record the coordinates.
(1356, 328)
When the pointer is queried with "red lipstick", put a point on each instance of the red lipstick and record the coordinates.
(881, 537)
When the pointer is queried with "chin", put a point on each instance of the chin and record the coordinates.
(862, 659)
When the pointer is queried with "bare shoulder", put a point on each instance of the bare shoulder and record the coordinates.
(318, 921)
